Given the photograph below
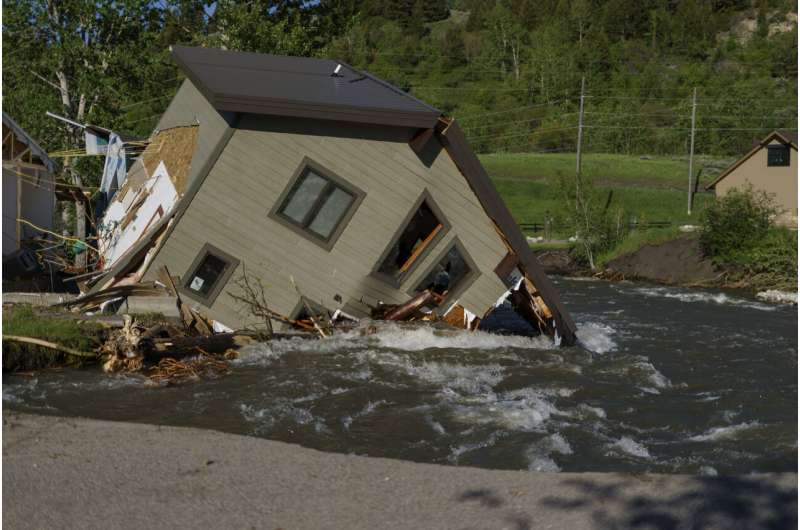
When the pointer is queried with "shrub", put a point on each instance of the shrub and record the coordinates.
(738, 231)
(736, 224)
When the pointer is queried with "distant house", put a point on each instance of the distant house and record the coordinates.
(337, 190)
(771, 166)
(28, 187)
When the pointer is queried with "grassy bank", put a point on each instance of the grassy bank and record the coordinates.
(60, 328)
(636, 240)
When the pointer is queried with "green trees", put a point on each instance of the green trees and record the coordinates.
(641, 61)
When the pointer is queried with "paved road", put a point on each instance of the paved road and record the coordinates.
(78, 473)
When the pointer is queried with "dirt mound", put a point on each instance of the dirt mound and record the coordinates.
(558, 262)
(679, 261)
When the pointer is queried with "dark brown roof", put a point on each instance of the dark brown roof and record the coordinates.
(790, 136)
(299, 86)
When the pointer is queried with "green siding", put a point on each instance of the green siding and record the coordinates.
(190, 107)
(231, 209)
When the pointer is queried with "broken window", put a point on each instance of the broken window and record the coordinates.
(419, 234)
(450, 274)
(318, 204)
(209, 273)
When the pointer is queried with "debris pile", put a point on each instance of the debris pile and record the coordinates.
(172, 371)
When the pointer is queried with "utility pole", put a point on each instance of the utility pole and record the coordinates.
(580, 130)
(691, 152)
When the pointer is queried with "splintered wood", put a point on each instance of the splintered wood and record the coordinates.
(173, 371)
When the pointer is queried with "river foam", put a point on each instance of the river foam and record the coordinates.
(596, 337)
(723, 433)
(703, 297)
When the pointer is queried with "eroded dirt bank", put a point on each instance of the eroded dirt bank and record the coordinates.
(676, 262)
(78, 473)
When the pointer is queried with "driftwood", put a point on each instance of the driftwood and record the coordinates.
(171, 371)
(155, 349)
(51, 345)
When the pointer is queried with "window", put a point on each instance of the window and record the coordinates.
(451, 274)
(208, 274)
(420, 231)
(317, 204)
(777, 155)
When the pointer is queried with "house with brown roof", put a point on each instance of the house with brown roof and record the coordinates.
(770, 166)
(338, 191)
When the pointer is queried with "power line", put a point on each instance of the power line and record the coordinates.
(501, 124)
(517, 109)
(532, 131)
(686, 128)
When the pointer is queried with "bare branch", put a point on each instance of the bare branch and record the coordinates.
(42, 78)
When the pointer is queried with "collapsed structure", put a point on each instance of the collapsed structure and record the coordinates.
(339, 191)
(29, 196)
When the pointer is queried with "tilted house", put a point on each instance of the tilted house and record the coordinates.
(770, 166)
(329, 184)
(28, 187)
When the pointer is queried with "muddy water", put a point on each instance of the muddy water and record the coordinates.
(678, 381)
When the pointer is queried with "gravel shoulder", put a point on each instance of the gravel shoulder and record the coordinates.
(81, 473)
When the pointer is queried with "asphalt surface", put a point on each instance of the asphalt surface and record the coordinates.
(79, 473)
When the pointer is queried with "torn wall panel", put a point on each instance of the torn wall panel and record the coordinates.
(122, 227)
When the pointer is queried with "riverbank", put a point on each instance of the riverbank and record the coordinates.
(678, 262)
(80, 473)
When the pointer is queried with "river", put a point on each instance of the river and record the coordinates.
(668, 380)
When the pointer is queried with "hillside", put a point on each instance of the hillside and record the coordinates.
(509, 70)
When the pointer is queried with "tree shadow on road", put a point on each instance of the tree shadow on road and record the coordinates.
(735, 503)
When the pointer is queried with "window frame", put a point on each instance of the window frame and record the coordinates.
(398, 281)
(782, 147)
(308, 165)
(466, 282)
(231, 264)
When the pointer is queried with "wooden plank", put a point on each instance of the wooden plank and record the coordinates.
(420, 249)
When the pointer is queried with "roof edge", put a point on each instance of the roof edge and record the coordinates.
(456, 145)
(48, 162)
(424, 118)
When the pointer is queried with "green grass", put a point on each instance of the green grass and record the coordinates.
(531, 201)
(26, 321)
(655, 172)
(551, 245)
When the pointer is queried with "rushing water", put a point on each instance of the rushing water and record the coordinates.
(677, 381)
